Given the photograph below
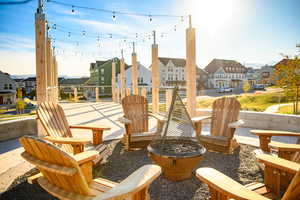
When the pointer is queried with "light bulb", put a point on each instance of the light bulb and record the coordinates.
(114, 16)
(150, 18)
(73, 11)
(69, 34)
(175, 28)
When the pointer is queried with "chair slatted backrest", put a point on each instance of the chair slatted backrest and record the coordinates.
(225, 110)
(293, 191)
(296, 156)
(55, 123)
(135, 108)
(59, 169)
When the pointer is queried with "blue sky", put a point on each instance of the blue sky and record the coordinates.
(249, 31)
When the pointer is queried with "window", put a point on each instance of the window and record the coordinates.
(5, 86)
(142, 80)
(102, 79)
(10, 86)
(102, 71)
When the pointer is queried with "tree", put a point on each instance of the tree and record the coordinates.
(246, 86)
(287, 76)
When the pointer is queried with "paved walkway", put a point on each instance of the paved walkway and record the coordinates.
(275, 108)
(97, 114)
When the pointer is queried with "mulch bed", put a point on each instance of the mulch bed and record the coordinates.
(241, 166)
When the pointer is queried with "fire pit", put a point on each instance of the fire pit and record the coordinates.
(176, 148)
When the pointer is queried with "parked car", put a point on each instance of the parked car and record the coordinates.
(228, 89)
(220, 90)
(259, 87)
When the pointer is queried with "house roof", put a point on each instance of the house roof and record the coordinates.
(74, 81)
(30, 79)
(229, 66)
(178, 62)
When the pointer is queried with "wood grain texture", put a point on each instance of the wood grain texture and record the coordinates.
(55, 123)
(224, 119)
(135, 118)
(62, 176)
(223, 187)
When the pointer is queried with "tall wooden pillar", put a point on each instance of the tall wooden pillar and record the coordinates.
(56, 80)
(155, 77)
(40, 52)
(75, 94)
(169, 94)
(134, 73)
(122, 77)
(49, 69)
(191, 68)
(144, 92)
(113, 81)
(40, 48)
(97, 94)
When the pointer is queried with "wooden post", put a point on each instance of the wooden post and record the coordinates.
(169, 94)
(75, 94)
(122, 77)
(118, 95)
(113, 81)
(191, 68)
(97, 94)
(56, 80)
(155, 76)
(134, 73)
(128, 91)
(49, 65)
(40, 52)
(144, 92)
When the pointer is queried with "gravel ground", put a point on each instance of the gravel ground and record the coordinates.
(118, 164)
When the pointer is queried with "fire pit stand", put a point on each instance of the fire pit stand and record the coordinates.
(176, 148)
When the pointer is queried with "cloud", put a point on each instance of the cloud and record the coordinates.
(16, 42)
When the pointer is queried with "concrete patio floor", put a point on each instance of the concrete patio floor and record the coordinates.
(96, 114)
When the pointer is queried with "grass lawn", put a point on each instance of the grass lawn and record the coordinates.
(253, 102)
(288, 109)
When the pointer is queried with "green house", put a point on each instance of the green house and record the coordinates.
(100, 75)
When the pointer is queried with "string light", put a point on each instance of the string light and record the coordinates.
(69, 34)
(114, 15)
(175, 28)
(83, 33)
(150, 19)
(73, 11)
(136, 35)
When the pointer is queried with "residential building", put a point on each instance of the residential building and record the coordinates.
(100, 75)
(265, 74)
(144, 76)
(19, 82)
(225, 73)
(29, 84)
(172, 72)
(252, 76)
(7, 89)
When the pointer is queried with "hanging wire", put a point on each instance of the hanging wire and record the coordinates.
(112, 11)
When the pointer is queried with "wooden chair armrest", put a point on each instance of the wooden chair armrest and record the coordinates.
(273, 133)
(137, 181)
(158, 117)
(279, 163)
(101, 128)
(284, 146)
(67, 140)
(124, 120)
(86, 156)
(225, 185)
(199, 119)
(236, 124)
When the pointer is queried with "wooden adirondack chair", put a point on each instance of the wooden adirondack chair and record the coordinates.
(135, 118)
(223, 187)
(62, 177)
(225, 113)
(286, 151)
(54, 121)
